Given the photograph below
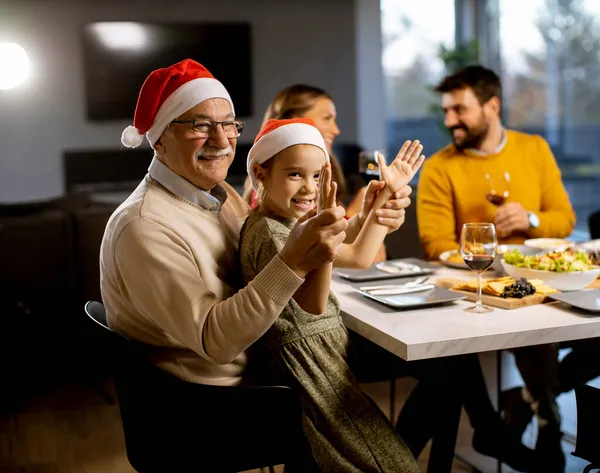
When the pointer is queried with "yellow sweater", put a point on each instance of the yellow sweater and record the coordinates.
(452, 191)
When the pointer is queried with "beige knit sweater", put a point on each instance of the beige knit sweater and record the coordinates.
(169, 274)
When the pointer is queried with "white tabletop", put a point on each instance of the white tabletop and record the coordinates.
(449, 330)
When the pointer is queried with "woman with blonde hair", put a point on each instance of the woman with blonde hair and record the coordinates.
(305, 101)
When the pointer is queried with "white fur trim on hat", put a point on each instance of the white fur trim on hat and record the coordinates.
(131, 137)
(278, 140)
(185, 97)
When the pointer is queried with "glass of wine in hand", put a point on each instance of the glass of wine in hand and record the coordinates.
(498, 187)
(478, 246)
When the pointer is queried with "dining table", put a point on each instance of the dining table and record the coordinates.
(447, 329)
(419, 333)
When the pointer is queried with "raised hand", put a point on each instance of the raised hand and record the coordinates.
(403, 168)
(327, 189)
(314, 240)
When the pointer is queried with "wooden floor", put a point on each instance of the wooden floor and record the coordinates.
(71, 429)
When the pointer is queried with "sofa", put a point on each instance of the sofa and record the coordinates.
(48, 269)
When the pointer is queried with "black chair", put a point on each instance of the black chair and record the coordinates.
(594, 225)
(405, 243)
(587, 445)
(174, 425)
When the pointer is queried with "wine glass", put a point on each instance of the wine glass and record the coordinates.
(478, 247)
(498, 187)
(367, 162)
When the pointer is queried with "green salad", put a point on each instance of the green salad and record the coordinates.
(561, 261)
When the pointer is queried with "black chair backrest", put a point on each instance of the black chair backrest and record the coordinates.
(594, 225)
(260, 424)
(588, 423)
(405, 242)
(97, 312)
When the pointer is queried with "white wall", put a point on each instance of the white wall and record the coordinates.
(310, 41)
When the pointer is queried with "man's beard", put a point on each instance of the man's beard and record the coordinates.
(474, 136)
(212, 152)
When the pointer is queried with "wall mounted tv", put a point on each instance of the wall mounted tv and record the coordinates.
(118, 56)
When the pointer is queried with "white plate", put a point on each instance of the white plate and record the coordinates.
(397, 268)
(561, 281)
(496, 266)
(593, 245)
(589, 299)
(444, 259)
(549, 244)
(430, 297)
(524, 250)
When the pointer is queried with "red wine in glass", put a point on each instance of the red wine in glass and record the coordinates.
(478, 248)
(498, 187)
(478, 263)
(497, 199)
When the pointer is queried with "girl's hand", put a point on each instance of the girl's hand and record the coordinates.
(403, 168)
(327, 189)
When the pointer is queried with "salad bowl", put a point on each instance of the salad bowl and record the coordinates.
(564, 271)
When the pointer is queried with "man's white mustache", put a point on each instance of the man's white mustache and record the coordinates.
(212, 152)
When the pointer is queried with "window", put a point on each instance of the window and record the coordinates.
(551, 76)
(412, 36)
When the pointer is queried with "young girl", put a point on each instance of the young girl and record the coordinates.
(306, 348)
(306, 101)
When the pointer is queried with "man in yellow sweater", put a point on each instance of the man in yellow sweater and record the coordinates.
(453, 190)
(453, 187)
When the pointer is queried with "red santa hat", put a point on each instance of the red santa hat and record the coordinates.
(166, 94)
(277, 135)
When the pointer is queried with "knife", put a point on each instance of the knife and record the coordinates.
(416, 282)
(400, 290)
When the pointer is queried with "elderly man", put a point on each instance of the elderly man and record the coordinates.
(169, 274)
(452, 191)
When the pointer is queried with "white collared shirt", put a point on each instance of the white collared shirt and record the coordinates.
(184, 189)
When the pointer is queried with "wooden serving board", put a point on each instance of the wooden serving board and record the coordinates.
(494, 301)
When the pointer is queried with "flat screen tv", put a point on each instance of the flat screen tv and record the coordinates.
(118, 56)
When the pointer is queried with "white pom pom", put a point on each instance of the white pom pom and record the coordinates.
(131, 137)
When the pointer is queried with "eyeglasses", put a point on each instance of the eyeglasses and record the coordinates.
(204, 128)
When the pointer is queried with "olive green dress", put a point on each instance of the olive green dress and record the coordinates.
(346, 430)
